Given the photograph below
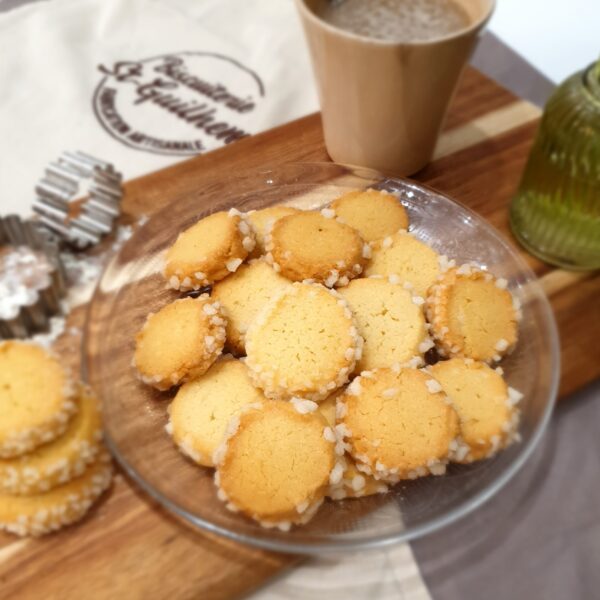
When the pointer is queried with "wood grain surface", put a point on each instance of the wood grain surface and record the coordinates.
(130, 548)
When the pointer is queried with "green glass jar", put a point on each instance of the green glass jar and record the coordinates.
(556, 212)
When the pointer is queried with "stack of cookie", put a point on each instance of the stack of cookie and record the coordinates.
(334, 321)
(53, 465)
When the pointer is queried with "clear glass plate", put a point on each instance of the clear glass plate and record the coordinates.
(135, 415)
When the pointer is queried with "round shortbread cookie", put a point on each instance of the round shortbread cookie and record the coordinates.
(208, 251)
(200, 411)
(61, 506)
(311, 246)
(403, 255)
(304, 343)
(352, 483)
(397, 426)
(243, 295)
(472, 314)
(36, 398)
(179, 342)
(275, 462)
(263, 220)
(484, 403)
(62, 459)
(372, 213)
(391, 323)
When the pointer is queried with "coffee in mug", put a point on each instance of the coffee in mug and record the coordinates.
(386, 71)
(395, 20)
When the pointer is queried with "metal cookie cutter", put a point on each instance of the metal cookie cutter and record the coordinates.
(72, 176)
(32, 277)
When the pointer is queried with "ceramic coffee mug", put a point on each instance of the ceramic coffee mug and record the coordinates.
(383, 103)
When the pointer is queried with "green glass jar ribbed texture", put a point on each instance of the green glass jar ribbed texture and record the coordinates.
(556, 211)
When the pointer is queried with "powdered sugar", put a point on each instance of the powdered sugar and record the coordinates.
(233, 264)
(433, 386)
(304, 406)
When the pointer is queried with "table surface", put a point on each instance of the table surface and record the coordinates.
(128, 545)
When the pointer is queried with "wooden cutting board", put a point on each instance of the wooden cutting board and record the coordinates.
(130, 548)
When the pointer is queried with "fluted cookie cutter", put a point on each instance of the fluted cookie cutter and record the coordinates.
(72, 176)
(32, 277)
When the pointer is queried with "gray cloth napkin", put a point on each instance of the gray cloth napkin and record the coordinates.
(539, 538)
